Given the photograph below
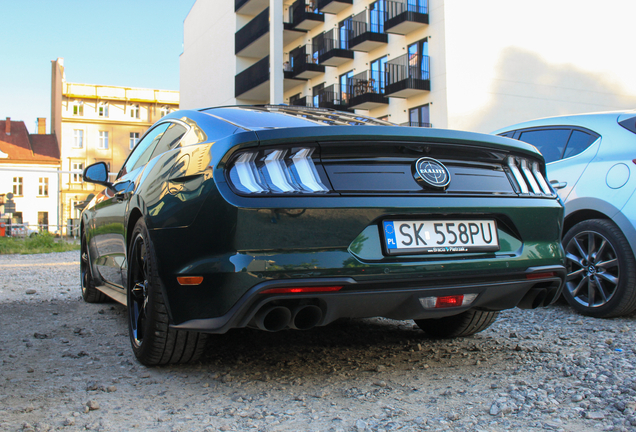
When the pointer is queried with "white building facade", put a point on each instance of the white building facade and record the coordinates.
(456, 64)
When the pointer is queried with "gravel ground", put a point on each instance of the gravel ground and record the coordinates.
(67, 365)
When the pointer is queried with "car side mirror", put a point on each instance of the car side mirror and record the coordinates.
(97, 173)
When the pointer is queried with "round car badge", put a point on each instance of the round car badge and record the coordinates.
(432, 173)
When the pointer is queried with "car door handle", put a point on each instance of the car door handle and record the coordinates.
(557, 184)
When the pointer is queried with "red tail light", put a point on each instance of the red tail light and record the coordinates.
(449, 301)
(301, 290)
(540, 275)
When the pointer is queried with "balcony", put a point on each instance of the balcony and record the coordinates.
(252, 40)
(366, 90)
(333, 6)
(253, 83)
(329, 97)
(416, 124)
(304, 63)
(303, 17)
(250, 7)
(407, 76)
(331, 51)
(365, 36)
(300, 101)
(403, 17)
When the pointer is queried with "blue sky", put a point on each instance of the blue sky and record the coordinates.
(132, 43)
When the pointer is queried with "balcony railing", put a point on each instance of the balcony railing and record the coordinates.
(407, 75)
(416, 124)
(330, 50)
(300, 101)
(404, 16)
(252, 31)
(304, 15)
(251, 77)
(305, 62)
(366, 90)
(365, 36)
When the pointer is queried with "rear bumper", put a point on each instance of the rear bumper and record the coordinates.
(395, 299)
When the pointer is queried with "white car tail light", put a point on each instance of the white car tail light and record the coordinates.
(276, 171)
(528, 177)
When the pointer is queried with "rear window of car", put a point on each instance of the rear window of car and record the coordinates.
(578, 142)
(550, 142)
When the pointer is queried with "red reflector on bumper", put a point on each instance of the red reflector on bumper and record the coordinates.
(189, 280)
(449, 301)
(540, 275)
(299, 290)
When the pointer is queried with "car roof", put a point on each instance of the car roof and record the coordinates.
(588, 120)
(255, 117)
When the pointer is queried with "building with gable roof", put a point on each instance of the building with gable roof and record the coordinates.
(29, 165)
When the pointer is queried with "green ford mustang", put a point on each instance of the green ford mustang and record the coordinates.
(276, 217)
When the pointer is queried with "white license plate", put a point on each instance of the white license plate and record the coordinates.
(440, 236)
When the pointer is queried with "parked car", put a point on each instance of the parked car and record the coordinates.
(590, 162)
(278, 217)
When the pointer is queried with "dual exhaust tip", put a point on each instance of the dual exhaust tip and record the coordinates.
(538, 297)
(275, 318)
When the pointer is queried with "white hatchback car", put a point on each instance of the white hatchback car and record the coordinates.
(591, 162)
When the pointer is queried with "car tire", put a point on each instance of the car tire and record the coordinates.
(601, 268)
(464, 324)
(152, 339)
(90, 294)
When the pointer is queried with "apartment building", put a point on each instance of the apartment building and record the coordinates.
(28, 175)
(457, 64)
(96, 123)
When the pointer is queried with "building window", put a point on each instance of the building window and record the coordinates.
(78, 167)
(43, 221)
(78, 138)
(102, 109)
(344, 30)
(134, 138)
(134, 111)
(102, 140)
(377, 14)
(378, 75)
(78, 108)
(164, 111)
(43, 186)
(346, 84)
(17, 186)
(420, 116)
(418, 60)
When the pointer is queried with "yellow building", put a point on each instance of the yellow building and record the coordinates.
(96, 123)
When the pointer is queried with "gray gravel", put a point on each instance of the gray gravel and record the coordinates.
(67, 365)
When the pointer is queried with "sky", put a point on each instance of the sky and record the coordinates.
(129, 43)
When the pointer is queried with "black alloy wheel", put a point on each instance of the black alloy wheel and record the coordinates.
(601, 270)
(152, 339)
(138, 292)
(90, 294)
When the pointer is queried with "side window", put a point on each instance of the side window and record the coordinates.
(144, 149)
(578, 142)
(550, 142)
(169, 139)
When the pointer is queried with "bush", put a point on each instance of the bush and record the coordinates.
(43, 242)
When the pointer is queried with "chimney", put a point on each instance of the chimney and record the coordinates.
(41, 123)
(7, 127)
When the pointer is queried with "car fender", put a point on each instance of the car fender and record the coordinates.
(624, 218)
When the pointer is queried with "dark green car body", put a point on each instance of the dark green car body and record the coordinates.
(241, 244)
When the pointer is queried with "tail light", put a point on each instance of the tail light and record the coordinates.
(276, 171)
(528, 177)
